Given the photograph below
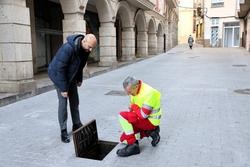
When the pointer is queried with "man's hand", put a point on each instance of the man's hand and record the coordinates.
(79, 84)
(64, 94)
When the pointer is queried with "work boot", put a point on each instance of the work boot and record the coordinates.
(76, 126)
(64, 136)
(154, 134)
(129, 150)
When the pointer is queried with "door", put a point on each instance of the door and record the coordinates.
(228, 39)
(214, 37)
(232, 36)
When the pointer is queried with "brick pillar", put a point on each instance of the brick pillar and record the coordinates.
(128, 43)
(107, 37)
(16, 66)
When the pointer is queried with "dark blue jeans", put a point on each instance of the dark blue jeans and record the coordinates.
(74, 106)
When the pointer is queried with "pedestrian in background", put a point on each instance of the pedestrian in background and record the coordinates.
(66, 72)
(143, 117)
(190, 41)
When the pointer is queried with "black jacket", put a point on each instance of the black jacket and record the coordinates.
(68, 63)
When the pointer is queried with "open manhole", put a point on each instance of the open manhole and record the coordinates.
(87, 144)
(239, 65)
(116, 93)
(243, 91)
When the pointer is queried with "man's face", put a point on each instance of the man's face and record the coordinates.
(88, 44)
(131, 90)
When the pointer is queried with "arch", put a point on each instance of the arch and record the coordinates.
(141, 36)
(152, 26)
(140, 20)
(105, 11)
(160, 39)
(73, 6)
(152, 38)
(160, 30)
(124, 11)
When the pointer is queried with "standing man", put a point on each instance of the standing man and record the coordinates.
(143, 119)
(66, 72)
(190, 41)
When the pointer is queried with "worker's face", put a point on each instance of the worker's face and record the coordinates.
(131, 90)
(88, 44)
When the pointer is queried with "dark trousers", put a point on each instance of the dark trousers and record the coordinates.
(74, 106)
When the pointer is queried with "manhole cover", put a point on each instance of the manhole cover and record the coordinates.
(116, 93)
(239, 65)
(243, 91)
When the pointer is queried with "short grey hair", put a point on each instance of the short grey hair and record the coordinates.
(130, 81)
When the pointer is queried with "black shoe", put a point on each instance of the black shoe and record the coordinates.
(64, 136)
(129, 150)
(76, 126)
(154, 134)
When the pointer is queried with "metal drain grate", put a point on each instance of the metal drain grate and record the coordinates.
(116, 93)
(87, 145)
(239, 65)
(243, 91)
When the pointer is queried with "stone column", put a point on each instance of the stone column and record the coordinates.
(30, 5)
(128, 43)
(73, 23)
(160, 44)
(142, 43)
(152, 43)
(16, 68)
(107, 37)
(248, 33)
(170, 32)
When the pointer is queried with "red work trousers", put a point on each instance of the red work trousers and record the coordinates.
(139, 126)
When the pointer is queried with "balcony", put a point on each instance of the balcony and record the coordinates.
(244, 8)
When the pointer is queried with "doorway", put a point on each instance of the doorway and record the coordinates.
(231, 35)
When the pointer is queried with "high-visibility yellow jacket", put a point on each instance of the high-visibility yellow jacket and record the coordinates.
(149, 100)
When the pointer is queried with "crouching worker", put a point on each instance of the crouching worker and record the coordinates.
(144, 116)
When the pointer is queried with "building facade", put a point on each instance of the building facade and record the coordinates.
(33, 30)
(218, 23)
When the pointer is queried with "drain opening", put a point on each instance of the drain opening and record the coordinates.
(243, 91)
(87, 145)
(116, 93)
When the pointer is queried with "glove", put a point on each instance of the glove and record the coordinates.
(136, 109)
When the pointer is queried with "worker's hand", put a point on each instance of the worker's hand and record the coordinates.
(64, 94)
(79, 84)
(135, 107)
